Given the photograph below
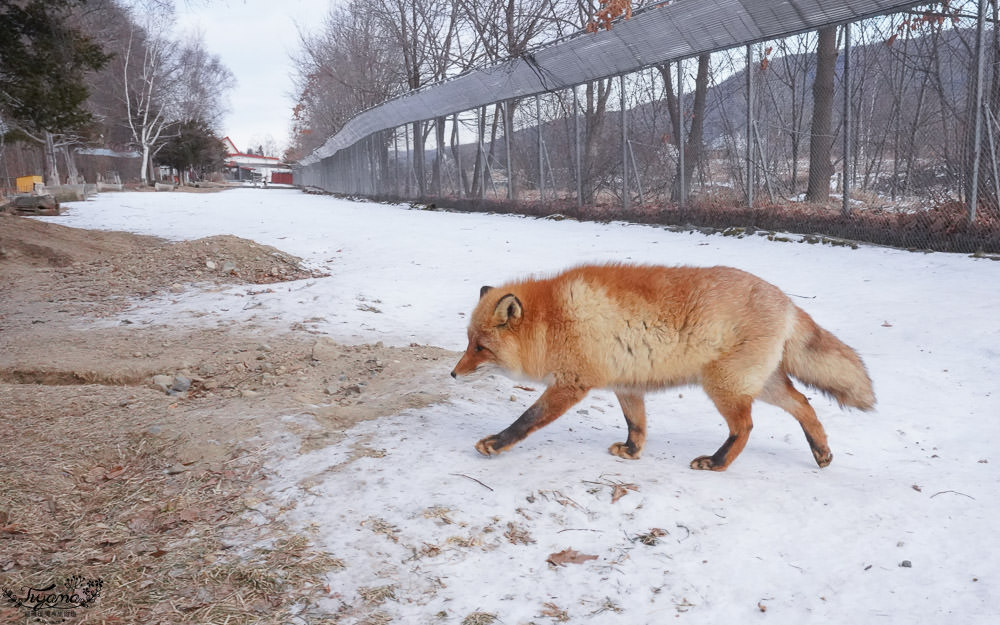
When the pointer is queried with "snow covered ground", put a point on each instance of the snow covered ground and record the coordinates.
(901, 528)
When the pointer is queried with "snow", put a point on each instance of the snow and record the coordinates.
(406, 500)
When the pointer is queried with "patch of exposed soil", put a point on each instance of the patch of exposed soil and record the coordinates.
(107, 476)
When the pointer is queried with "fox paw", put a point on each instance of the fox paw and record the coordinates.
(706, 463)
(621, 450)
(823, 457)
(489, 446)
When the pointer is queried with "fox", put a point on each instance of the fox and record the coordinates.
(634, 329)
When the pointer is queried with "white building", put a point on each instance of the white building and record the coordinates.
(254, 167)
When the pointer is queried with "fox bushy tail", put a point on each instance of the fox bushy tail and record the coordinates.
(819, 359)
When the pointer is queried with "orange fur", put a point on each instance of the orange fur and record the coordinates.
(634, 329)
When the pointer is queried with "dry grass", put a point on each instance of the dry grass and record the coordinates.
(376, 595)
(480, 618)
(83, 498)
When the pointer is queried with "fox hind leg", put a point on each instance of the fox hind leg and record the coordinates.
(736, 410)
(779, 392)
(634, 408)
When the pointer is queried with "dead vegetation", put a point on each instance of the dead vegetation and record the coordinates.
(169, 544)
(162, 499)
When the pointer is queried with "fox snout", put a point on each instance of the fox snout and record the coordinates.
(465, 366)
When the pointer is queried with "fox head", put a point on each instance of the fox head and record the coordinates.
(491, 338)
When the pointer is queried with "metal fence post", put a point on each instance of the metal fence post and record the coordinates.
(406, 137)
(481, 130)
(440, 153)
(376, 163)
(508, 124)
(846, 206)
(541, 162)
(576, 148)
(749, 140)
(456, 132)
(681, 191)
(977, 114)
(625, 188)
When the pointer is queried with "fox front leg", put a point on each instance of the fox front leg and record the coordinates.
(553, 403)
(634, 409)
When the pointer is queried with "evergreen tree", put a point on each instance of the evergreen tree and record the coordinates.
(43, 63)
(193, 148)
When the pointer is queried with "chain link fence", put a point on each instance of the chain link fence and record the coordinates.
(715, 127)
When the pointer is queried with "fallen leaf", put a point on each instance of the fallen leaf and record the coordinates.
(886, 324)
(568, 556)
(761, 606)
(13, 528)
(113, 473)
(620, 490)
(551, 610)
(652, 537)
(95, 474)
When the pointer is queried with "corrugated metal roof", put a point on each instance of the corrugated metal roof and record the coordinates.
(658, 34)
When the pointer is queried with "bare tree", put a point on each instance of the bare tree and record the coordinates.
(821, 131)
(695, 136)
(348, 66)
(151, 82)
(203, 83)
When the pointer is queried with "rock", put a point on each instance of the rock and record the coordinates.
(353, 389)
(177, 468)
(228, 266)
(209, 385)
(163, 382)
(325, 349)
(210, 264)
(906, 564)
(35, 205)
(249, 394)
(180, 385)
(176, 288)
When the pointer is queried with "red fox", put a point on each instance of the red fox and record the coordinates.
(634, 329)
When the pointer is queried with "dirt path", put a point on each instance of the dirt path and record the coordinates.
(150, 489)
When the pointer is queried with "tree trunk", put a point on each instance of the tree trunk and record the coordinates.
(508, 112)
(595, 106)
(692, 155)
(821, 133)
(72, 175)
(439, 154)
(50, 172)
(144, 165)
(418, 158)
(693, 145)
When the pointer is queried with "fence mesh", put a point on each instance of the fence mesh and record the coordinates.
(709, 114)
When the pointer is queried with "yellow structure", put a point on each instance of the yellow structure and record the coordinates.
(26, 184)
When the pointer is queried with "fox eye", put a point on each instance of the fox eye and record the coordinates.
(479, 348)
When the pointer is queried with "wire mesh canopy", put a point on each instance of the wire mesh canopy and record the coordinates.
(658, 34)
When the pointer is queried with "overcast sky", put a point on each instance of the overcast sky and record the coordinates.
(254, 39)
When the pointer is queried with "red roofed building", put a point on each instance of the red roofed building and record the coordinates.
(255, 167)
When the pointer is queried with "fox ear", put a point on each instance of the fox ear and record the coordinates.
(508, 310)
(484, 290)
